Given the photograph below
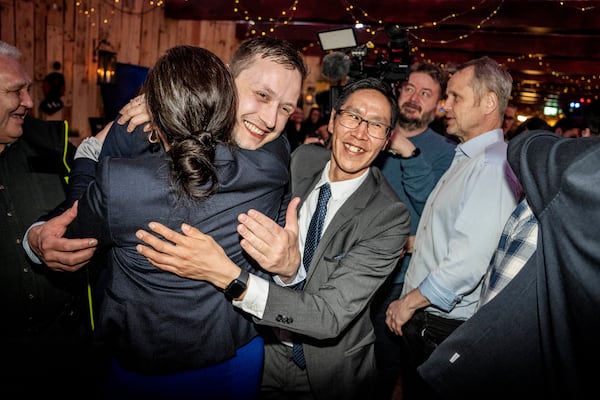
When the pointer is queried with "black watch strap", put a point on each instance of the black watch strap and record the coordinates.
(414, 154)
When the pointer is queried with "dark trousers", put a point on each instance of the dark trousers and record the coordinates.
(422, 334)
(388, 345)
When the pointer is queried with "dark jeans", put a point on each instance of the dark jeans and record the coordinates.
(422, 334)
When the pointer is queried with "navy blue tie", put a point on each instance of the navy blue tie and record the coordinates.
(312, 240)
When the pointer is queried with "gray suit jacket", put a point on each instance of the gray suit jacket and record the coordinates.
(358, 250)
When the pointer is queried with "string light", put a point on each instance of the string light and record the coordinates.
(84, 8)
(285, 16)
(259, 25)
(413, 31)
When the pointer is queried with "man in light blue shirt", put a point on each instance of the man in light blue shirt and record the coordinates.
(462, 219)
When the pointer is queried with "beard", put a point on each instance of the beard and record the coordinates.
(413, 123)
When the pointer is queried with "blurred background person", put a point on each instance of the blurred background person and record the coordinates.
(591, 120)
(313, 122)
(567, 127)
(322, 137)
(510, 122)
(531, 124)
(295, 128)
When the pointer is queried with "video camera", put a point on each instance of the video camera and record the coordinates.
(354, 63)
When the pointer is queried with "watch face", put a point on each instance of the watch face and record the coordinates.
(237, 286)
(235, 289)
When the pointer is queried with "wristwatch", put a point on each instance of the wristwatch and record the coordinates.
(237, 286)
(414, 154)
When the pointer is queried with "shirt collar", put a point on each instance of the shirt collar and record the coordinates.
(479, 143)
(341, 189)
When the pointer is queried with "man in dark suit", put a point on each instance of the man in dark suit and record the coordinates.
(44, 314)
(536, 337)
(366, 226)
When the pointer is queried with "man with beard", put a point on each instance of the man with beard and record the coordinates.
(416, 159)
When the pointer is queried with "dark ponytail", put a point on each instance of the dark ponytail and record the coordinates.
(191, 96)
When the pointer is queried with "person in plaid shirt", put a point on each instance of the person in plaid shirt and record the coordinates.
(517, 243)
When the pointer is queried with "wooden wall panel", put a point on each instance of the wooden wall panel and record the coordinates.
(168, 38)
(54, 52)
(68, 31)
(24, 23)
(214, 36)
(68, 44)
(39, 51)
(152, 28)
(7, 20)
(131, 27)
(83, 105)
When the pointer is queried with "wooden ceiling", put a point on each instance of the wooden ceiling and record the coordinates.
(552, 48)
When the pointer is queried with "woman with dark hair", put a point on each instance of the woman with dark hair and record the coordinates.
(167, 336)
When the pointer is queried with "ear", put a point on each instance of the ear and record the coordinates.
(331, 122)
(490, 102)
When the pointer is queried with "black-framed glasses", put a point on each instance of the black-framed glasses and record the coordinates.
(350, 120)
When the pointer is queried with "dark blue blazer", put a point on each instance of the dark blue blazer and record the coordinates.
(158, 321)
(538, 337)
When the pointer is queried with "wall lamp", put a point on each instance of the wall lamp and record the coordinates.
(107, 63)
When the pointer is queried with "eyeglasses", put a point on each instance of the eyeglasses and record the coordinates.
(350, 120)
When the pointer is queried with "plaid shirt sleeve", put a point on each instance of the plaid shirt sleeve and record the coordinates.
(517, 243)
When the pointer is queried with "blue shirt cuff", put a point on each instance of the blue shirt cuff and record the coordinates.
(438, 295)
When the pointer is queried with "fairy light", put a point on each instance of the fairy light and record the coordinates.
(286, 15)
(413, 31)
(366, 21)
(84, 8)
(575, 7)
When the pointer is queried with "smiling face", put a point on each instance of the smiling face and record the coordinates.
(15, 100)
(267, 93)
(353, 150)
